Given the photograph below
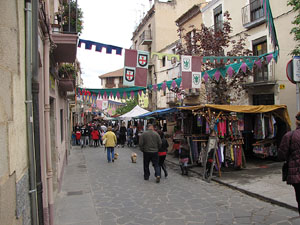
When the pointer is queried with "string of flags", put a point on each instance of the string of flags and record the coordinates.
(191, 65)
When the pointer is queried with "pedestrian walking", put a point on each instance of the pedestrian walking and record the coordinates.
(110, 143)
(129, 136)
(123, 135)
(150, 143)
(95, 137)
(289, 151)
(78, 136)
(162, 153)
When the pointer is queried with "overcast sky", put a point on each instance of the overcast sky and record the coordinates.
(109, 22)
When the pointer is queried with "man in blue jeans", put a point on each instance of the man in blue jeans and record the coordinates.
(110, 143)
(150, 142)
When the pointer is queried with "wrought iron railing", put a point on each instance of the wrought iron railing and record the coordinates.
(253, 13)
(146, 35)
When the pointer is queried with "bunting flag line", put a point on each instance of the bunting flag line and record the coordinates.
(216, 73)
(100, 46)
(135, 68)
(168, 56)
(270, 23)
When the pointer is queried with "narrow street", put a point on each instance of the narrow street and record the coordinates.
(96, 192)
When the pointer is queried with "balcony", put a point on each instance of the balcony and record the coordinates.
(253, 14)
(260, 80)
(65, 32)
(172, 99)
(193, 92)
(146, 38)
(66, 84)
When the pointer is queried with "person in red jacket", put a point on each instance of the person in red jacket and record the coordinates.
(78, 136)
(95, 137)
(289, 151)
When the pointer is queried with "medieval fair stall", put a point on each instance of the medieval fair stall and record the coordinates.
(238, 132)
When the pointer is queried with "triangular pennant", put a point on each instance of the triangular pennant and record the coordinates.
(118, 95)
(154, 87)
(164, 86)
(217, 75)
(269, 58)
(132, 94)
(140, 92)
(258, 63)
(230, 71)
(174, 85)
(205, 77)
(244, 67)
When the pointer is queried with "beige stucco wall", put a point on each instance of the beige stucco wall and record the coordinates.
(13, 142)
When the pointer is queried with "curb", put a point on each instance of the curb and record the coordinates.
(258, 196)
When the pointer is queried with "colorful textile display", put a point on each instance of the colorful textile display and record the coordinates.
(100, 46)
(135, 68)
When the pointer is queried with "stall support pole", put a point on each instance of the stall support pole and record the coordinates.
(298, 96)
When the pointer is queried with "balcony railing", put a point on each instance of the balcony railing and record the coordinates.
(253, 14)
(171, 98)
(146, 38)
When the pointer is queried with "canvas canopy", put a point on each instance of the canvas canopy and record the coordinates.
(135, 112)
(279, 110)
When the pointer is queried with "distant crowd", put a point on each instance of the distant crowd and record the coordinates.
(91, 134)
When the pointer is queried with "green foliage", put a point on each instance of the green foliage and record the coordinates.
(67, 70)
(295, 30)
(130, 104)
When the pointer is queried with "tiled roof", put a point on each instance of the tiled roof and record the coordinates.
(117, 73)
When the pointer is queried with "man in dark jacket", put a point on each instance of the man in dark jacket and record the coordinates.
(289, 151)
(150, 143)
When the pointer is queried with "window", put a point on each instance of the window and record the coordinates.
(263, 99)
(218, 18)
(62, 125)
(110, 80)
(256, 10)
(192, 43)
(163, 61)
(259, 48)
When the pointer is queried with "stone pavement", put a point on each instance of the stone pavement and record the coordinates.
(261, 179)
(95, 192)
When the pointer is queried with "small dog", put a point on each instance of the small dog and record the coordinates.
(133, 157)
(116, 156)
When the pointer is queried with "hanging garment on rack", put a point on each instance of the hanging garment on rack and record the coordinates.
(207, 128)
(239, 156)
(240, 117)
(199, 121)
(232, 152)
(259, 127)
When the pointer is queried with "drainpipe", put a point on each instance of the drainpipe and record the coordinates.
(49, 171)
(36, 113)
(31, 153)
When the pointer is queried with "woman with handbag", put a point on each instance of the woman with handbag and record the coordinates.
(289, 151)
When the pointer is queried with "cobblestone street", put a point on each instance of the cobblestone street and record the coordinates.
(97, 192)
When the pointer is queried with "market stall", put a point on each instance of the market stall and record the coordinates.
(241, 130)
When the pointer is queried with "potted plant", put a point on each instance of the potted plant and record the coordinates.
(72, 17)
(67, 71)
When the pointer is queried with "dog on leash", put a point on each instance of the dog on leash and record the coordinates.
(116, 156)
(133, 157)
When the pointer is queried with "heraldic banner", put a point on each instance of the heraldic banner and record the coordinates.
(191, 71)
(135, 68)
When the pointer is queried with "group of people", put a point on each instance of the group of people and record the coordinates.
(91, 134)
